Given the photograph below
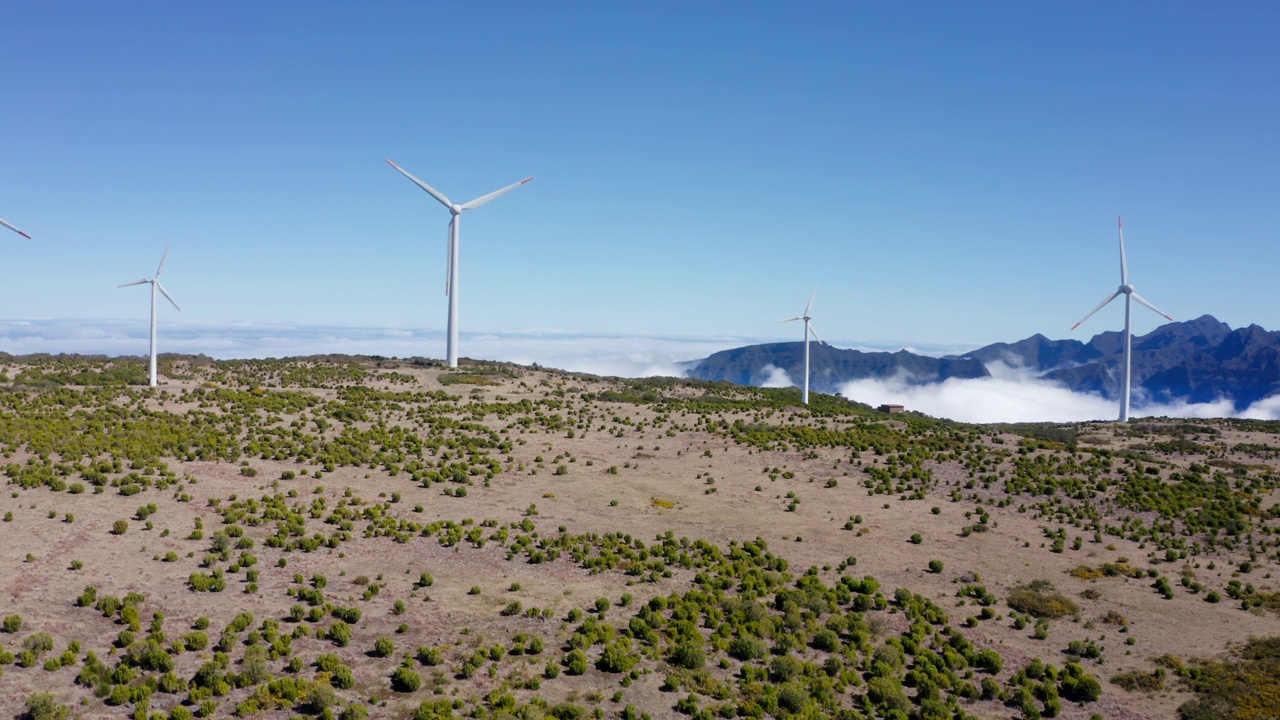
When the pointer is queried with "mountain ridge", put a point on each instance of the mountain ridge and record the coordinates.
(1195, 361)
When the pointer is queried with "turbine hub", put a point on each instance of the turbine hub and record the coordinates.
(1127, 289)
(455, 210)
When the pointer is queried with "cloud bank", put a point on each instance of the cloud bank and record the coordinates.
(595, 353)
(1010, 395)
(1016, 395)
(776, 377)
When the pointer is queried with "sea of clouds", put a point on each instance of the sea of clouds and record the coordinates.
(1017, 395)
(1010, 395)
(596, 353)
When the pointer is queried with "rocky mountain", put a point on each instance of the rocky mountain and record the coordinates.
(830, 367)
(1199, 360)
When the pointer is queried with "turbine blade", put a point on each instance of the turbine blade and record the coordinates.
(790, 319)
(163, 258)
(167, 296)
(809, 307)
(1124, 264)
(486, 198)
(135, 282)
(1101, 305)
(1143, 301)
(2, 222)
(814, 333)
(430, 190)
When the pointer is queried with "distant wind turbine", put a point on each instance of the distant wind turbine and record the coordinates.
(155, 285)
(451, 250)
(1129, 295)
(2, 222)
(808, 330)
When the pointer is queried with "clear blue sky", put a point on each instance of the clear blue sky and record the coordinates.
(947, 173)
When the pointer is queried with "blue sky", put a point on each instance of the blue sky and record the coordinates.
(948, 174)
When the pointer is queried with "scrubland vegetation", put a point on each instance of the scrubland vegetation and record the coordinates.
(352, 537)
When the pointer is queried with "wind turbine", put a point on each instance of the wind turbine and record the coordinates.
(155, 285)
(1129, 296)
(451, 250)
(2, 222)
(808, 330)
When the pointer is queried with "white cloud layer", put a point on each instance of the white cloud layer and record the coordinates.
(598, 354)
(776, 377)
(1010, 395)
(1016, 395)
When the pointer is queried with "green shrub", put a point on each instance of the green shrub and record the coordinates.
(342, 678)
(339, 633)
(43, 706)
(826, 640)
(747, 647)
(689, 654)
(784, 668)
(1039, 598)
(354, 711)
(1078, 685)
(319, 697)
(1138, 681)
(617, 657)
(38, 643)
(405, 680)
(195, 640)
(988, 661)
(429, 655)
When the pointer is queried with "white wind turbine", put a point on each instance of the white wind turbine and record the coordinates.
(155, 285)
(808, 330)
(2, 222)
(1129, 296)
(451, 250)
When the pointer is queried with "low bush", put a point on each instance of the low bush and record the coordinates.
(1039, 598)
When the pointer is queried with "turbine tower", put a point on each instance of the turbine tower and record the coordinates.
(155, 285)
(2, 222)
(451, 250)
(1129, 296)
(808, 330)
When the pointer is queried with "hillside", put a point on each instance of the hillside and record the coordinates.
(350, 537)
